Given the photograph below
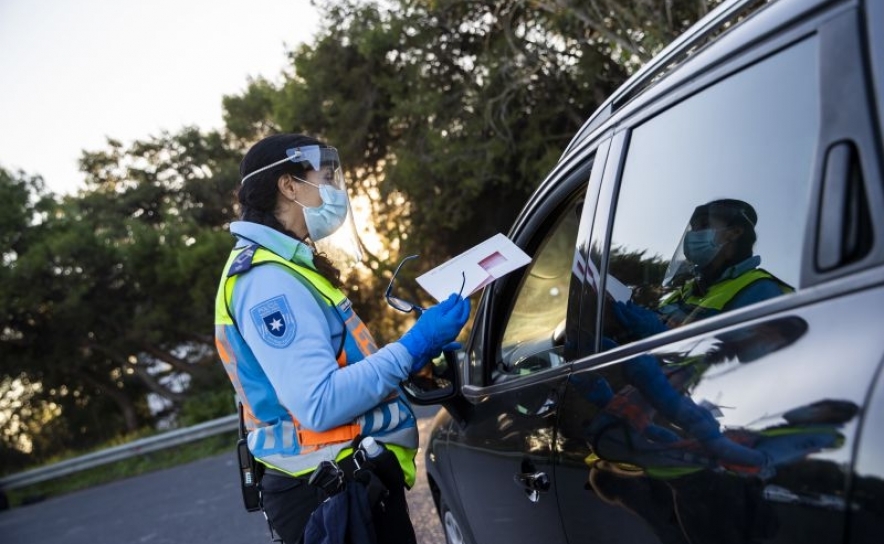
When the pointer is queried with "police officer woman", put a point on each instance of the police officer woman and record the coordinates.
(304, 366)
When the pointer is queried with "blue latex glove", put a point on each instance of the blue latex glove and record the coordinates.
(657, 433)
(736, 454)
(640, 321)
(435, 330)
(594, 388)
(698, 422)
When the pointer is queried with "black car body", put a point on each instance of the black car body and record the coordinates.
(780, 104)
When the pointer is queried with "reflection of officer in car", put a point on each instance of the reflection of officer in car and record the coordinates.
(714, 269)
(651, 427)
(661, 455)
(682, 492)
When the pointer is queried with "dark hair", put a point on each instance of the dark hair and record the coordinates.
(257, 197)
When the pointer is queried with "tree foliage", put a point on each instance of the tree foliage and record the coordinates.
(447, 114)
(108, 295)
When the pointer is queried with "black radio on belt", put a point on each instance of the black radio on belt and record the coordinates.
(248, 470)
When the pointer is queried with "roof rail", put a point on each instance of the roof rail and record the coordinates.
(715, 22)
(700, 33)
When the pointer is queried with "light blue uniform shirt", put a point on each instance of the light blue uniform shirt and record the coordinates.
(302, 367)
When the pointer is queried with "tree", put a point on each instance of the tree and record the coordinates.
(109, 294)
(449, 113)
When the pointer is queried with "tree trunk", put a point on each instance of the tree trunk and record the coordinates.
(197, 372)
(127, 407)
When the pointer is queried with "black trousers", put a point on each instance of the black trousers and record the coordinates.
(288, 503)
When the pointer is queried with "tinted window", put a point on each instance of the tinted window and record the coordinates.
(703, 178)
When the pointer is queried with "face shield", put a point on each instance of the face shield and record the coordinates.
(680, 268)
(699, 243)
(331, 224)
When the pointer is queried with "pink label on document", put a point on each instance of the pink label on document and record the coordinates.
(492, 260)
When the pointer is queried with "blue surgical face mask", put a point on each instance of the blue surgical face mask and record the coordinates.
(700, 246)
(323, 220)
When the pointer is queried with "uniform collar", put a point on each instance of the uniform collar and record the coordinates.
(272, 240)
(740, 268)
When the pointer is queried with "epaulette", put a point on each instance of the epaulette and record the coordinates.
(243, 261)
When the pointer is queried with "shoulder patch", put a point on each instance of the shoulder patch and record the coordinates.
(243, 261)
(275, 321)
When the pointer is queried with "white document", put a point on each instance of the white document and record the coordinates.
(475, 268)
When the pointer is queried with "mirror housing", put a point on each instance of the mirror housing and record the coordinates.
(442, 385)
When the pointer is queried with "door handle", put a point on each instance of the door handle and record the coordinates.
(534, 483)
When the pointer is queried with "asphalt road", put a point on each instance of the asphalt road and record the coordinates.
(193, 503)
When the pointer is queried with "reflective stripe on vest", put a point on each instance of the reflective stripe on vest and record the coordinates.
(311, 439)
(389, 421)
(719, 295)
(297, 465)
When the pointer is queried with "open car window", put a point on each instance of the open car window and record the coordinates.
(534, 333)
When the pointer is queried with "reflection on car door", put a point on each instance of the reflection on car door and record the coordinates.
(771, 386)
(739, 422)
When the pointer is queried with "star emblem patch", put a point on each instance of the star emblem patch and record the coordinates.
(275, 321)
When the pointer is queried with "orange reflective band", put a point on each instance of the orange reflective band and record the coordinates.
(222, 351)
(344, 433)
(624, 407)
(251, 422)
(361, 335)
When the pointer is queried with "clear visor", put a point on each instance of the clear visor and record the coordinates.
(680, 268)
(343, 247)
(715, 215)
(323, 166)
(321, 163)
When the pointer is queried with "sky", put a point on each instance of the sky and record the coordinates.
(76, 72)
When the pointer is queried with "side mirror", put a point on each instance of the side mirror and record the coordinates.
(441, 383)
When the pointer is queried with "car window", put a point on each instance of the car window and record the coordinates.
(713, 198)
(534, 333)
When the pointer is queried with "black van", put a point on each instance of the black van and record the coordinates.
(694, 353)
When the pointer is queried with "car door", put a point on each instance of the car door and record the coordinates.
(741, 424)
(501, 450)
(866, 518)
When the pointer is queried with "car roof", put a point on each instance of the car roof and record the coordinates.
(727, 27)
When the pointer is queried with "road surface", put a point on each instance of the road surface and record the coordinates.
(193, 503)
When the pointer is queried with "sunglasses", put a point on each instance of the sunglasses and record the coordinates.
(403, 305)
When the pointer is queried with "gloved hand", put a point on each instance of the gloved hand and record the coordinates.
(640, 321)
(594, 388)
(730, 453)
(423, 369)
(452, 346)
(657, 433)
(435, 329)
(698, 422)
